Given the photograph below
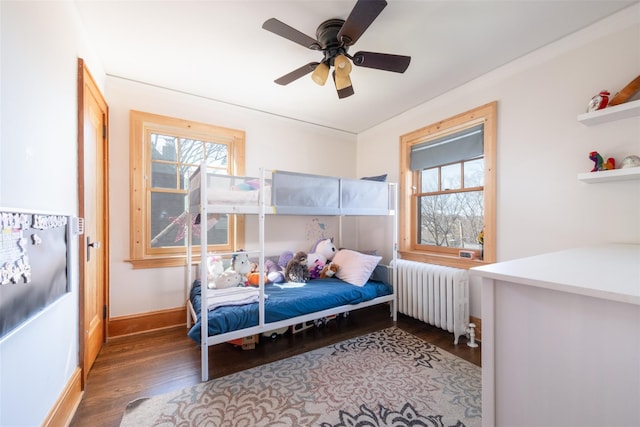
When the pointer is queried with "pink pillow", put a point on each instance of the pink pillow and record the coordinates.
(355, 267)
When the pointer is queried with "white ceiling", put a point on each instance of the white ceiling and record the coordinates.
(217, 49)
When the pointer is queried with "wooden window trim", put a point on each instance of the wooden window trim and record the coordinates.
(140, 255)
(408, 249)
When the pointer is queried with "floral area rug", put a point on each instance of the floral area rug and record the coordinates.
(386, 378)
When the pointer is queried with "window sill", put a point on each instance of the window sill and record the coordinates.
(440, 259)
(158, 262)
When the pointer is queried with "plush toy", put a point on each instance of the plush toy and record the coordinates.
(228, 279)
(314, 271)
(215, 269)
(275, 273)
(240, 264)
(253, 267)
(297, 270)
(323, 251)
(253, 278)
(600, 164)
(284, 259)
(326, 248)
(329, 270)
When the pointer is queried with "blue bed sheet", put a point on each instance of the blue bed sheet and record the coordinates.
(281, 304)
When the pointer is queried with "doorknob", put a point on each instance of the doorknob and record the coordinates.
(90, 244)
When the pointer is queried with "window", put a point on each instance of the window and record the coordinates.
(447, 189)
(164, 152)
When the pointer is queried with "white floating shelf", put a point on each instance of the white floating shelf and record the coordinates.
(609, 114)
(626, 174)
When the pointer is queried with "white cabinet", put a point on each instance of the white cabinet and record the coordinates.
(561, 339)
(606, 115)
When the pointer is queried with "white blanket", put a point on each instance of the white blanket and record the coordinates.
(232, 296)
(290, 285)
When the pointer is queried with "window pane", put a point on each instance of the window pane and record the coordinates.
(164, 147)
(185, 173)
(217, 154)
(164, 175)
(474, 173)
(429, 180)
(168, 223)
(451, 220)
(191, 151)
(166, 219)
(217, 234)
(451, 177)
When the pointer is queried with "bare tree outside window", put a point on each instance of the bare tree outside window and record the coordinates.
(451, 208)
(174, 159)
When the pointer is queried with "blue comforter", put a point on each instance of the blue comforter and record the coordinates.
(281, 304)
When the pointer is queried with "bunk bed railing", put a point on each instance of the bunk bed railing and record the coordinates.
(204, 319)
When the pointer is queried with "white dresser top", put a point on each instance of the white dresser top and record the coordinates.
(610, 271)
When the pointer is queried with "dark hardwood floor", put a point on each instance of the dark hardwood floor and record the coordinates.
(152, 363)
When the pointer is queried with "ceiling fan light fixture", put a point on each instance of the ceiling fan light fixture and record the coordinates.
(342, 66)
(342, 82)
(320, 74)
(334, 37)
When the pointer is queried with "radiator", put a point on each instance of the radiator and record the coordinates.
(434, 294)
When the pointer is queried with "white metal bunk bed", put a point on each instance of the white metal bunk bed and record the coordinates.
(280, 192)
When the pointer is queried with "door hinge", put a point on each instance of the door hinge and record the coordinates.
(104, 131)
(104, 311)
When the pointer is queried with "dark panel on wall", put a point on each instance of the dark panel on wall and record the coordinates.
(33, 264)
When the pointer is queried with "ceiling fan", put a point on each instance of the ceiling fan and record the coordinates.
(333, 38)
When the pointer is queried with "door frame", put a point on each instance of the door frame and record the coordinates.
(86, 82)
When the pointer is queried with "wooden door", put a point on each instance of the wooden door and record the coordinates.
(93, 208)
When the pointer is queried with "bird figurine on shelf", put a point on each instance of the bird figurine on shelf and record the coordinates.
(600, 164)
(599, 101)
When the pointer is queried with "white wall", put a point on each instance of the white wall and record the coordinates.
(38, 172)
(271, 142)
(541, 146)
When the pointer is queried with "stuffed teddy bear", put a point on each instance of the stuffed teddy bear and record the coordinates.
(228, 279)
(323, 251)
(297, 270)
(329, 270)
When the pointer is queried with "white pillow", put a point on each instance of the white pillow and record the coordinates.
(355, 267)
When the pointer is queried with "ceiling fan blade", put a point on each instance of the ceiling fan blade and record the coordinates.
(343, 92)
(382, 61)
(362, 15)
(290, 33)
(297, 73)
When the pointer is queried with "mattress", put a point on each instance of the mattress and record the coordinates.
(285, 303)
